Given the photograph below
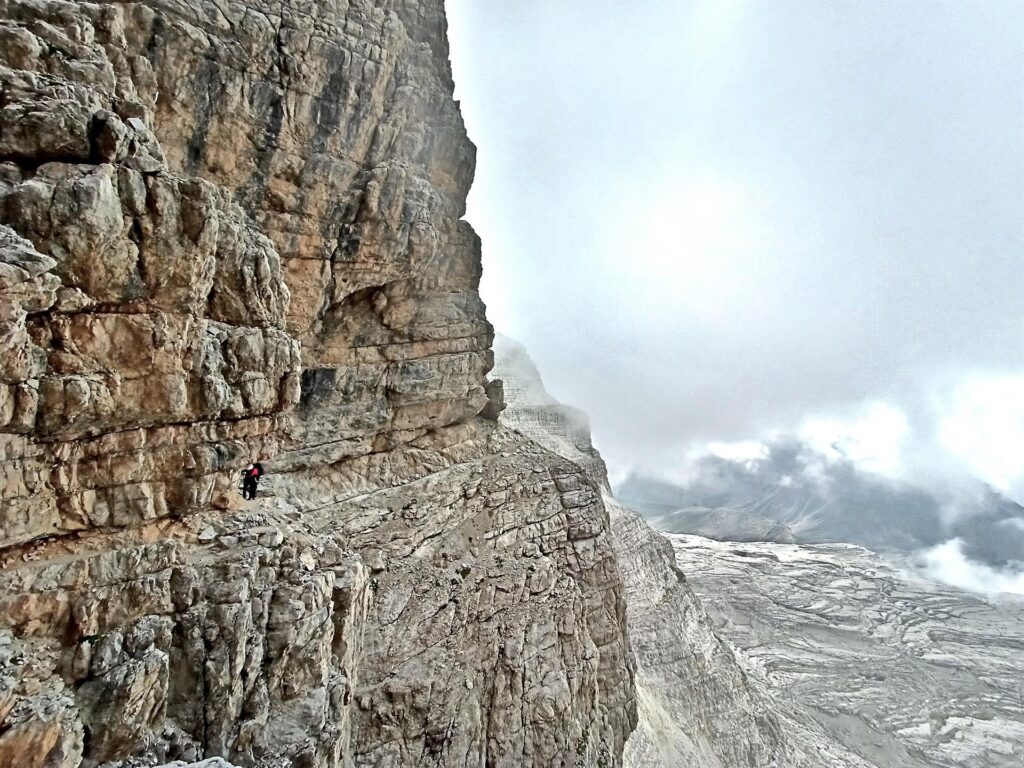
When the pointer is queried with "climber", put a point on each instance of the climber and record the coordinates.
(250, 479)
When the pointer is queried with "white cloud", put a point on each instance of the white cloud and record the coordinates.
(983, 426)
(973, 435)
(705, 221)
(874, 438)
(948, 564)
(695, 246)
(740, 450)
(713, 25)
(700, 220)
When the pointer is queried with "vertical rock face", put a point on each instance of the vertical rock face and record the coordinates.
(232, 231)
(696, 705)
(233, 225)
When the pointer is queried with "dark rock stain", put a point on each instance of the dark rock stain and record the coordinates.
(317, 386)
(208, 87)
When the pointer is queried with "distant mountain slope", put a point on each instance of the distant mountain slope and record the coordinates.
(723, 524)
(790, 656)
(824, 500)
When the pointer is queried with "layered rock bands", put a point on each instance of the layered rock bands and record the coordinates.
(232, 231)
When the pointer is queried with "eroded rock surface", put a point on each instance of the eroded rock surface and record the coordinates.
(232, 231)
(232, 228)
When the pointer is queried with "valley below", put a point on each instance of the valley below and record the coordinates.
(905, 672)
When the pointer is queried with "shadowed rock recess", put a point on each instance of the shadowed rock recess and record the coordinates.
(232, 230)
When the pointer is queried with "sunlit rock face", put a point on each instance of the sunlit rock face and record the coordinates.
(906, 672)
(696, 703)
(232, 231)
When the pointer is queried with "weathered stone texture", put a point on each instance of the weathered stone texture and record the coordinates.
(231, 208)
(233, 230)
(465, 610)
(172, 650)
(907, 672)
(498, 562)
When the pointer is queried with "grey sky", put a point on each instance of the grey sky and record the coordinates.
(713, 220)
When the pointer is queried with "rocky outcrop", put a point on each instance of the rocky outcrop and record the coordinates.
(696, 703)
(232, 231)
(232, 225)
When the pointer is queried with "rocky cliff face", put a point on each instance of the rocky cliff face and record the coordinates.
(696, 703)
(232, 231)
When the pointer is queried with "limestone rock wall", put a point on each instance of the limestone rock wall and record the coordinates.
(887, 661)
(233, 230)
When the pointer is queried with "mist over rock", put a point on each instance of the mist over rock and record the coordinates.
(821, 499)
(696, 705)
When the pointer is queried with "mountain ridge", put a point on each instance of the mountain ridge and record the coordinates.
(824, 500)
(696, 704)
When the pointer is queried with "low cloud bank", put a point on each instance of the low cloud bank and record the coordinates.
(948, 564)
(827, 497)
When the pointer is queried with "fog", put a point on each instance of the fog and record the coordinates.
(947, 563)
(714, 222)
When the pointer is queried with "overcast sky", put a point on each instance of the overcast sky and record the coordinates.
(713, 221)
